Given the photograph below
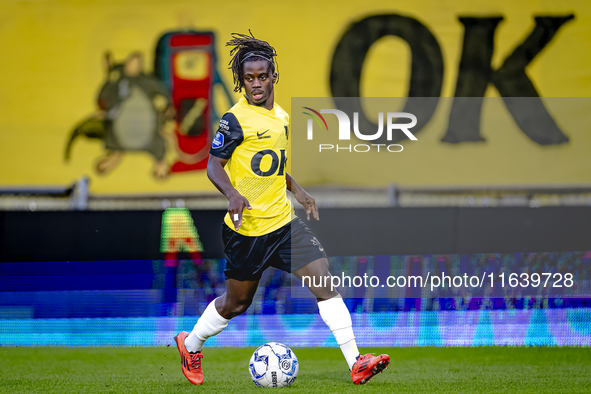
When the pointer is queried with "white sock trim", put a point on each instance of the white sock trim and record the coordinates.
(344, 335)
(350, 352)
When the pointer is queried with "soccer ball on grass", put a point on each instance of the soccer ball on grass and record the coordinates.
(273, 365)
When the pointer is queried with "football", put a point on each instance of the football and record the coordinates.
(273, 365)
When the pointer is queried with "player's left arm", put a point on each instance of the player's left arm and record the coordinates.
(302, 197)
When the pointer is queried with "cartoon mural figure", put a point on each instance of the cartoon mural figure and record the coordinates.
(133, 110)
(185, 61)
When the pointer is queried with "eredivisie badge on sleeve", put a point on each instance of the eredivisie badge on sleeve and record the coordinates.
(218, 141)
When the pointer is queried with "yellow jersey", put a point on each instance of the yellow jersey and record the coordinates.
(254, 140)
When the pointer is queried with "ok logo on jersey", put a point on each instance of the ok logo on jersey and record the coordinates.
(255, 163)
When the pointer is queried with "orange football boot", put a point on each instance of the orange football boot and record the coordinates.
(367, 366)
(190, 362)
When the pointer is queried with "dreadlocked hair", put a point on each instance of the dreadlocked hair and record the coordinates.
(248, 48)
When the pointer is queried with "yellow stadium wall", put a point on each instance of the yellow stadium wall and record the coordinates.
(52, 71)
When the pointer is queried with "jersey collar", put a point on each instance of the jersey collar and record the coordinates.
(259, 109)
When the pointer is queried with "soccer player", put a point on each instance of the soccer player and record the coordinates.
(259, 232)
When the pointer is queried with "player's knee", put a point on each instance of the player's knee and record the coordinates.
(325, 293)
(235, 307)
(238, 309)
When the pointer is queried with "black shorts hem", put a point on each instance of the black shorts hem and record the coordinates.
(288, 248)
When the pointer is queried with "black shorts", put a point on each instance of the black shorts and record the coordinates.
(290, 247)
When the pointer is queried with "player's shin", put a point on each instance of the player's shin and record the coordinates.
(335, 314)
(209, 324)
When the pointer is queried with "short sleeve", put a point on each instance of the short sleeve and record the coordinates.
(227, 138)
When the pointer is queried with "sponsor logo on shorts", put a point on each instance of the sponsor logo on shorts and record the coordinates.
(315, 242)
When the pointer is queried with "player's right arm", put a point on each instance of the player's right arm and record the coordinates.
(218, 176)
(227, 138)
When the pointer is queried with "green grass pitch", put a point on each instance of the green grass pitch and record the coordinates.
(412, 370)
